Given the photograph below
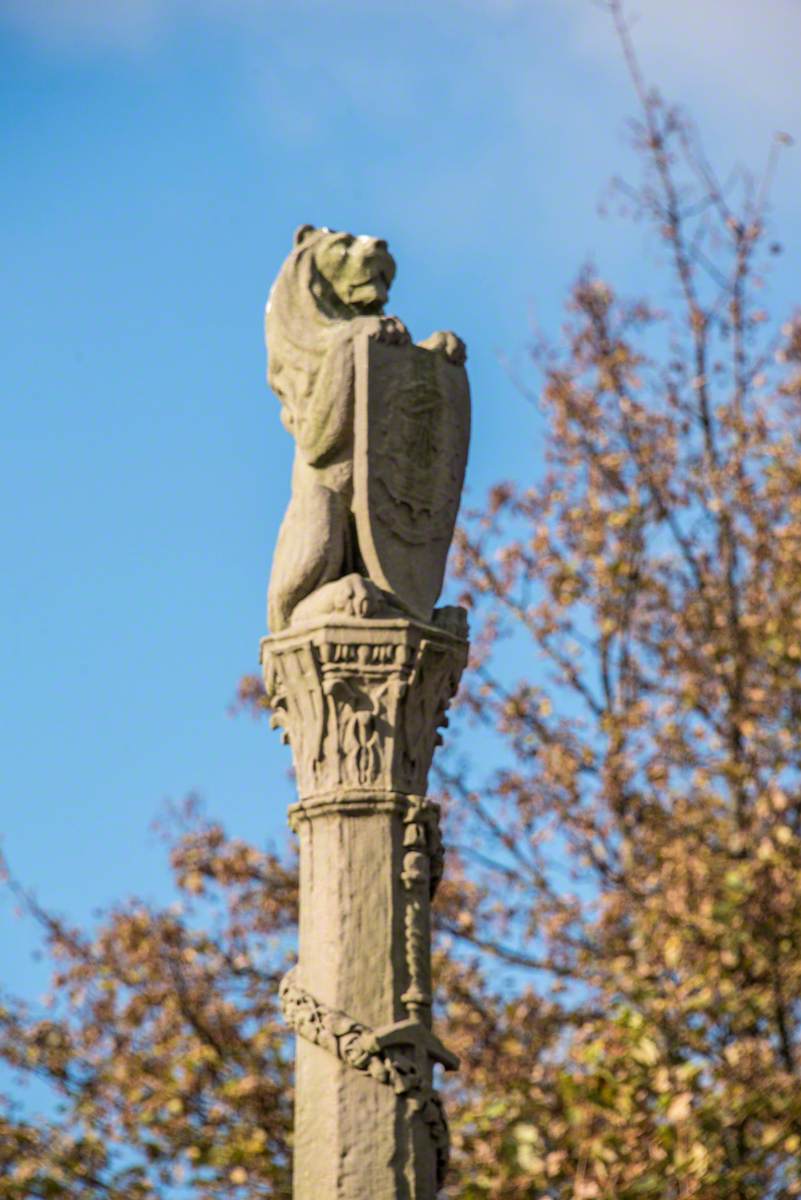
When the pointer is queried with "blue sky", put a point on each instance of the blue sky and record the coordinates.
(157, 156)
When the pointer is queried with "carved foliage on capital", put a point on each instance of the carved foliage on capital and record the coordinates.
(361, 702)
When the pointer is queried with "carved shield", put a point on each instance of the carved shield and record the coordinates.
(412, 428)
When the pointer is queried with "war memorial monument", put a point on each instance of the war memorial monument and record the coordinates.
(359, 669)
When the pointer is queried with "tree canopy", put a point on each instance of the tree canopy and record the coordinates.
(618, 959)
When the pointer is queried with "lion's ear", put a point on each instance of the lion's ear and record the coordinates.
(301, 233)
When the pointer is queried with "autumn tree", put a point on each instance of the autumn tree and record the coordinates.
(619, 953)
(162, 1043)
(644, 829)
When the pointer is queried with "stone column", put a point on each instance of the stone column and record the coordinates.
(360, 701)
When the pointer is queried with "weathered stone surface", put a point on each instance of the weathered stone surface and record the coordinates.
(362, 701)
(378, 1124)
(412, 427)
(328, 301)
(359, 670)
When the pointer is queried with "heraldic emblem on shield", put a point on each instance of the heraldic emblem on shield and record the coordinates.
(412, 429)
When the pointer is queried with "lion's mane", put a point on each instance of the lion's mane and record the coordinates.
(304, 322)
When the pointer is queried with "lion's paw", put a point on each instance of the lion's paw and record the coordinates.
(351, 596)
(390, 330)
(356, 596)
(447, 343)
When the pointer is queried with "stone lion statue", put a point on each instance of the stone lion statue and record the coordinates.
(331, 288)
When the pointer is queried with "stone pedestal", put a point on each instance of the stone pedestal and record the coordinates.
(360, 702)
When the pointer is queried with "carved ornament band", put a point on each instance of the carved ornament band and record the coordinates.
(359, 1047)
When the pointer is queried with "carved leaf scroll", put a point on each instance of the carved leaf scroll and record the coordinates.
(360, 701)
(356, 1045)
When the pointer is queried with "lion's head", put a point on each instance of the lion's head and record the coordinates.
(358, 270)
(328, 278)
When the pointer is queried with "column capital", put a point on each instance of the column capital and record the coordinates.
(361, 702)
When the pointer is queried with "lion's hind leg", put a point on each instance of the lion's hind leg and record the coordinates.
(311, 550)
